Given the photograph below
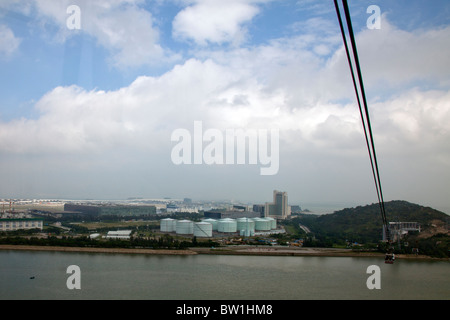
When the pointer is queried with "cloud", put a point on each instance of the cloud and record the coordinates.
(415, 123)
(122, 27)
(391, 57)
(129, 33)
(287, 84)
(73, 120)
(317, 7)
(9, 43)
(215, 21)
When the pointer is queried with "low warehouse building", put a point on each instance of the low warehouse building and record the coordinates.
(120, 234)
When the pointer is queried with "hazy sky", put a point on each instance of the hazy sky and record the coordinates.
(88, 110)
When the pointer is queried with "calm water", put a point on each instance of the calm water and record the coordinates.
(205, 277)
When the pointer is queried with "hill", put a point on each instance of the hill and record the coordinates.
(363, 224)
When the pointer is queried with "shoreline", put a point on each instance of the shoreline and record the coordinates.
(308, 252)
(234, 250)
(95, 250)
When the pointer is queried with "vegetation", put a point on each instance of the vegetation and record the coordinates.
(164, 242)
(362, 225)
(21, 232)
(358, 227)
(435, 246)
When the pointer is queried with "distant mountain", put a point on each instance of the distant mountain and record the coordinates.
(364, 223)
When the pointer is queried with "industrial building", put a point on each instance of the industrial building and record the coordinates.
(110, 209)
(84, 209)
(397, 230)
(120, 234)
(13, 224)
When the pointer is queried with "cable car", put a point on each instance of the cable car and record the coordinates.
(389, 258)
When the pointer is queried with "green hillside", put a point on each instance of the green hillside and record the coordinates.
(363, 224)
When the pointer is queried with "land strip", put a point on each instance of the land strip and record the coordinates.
(97, 250)
(230, 250)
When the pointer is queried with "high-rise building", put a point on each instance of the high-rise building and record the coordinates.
(259, 208)
(279, 208)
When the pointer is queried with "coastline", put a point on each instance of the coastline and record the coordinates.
(232, 250)
(95, 250)
(305, 252)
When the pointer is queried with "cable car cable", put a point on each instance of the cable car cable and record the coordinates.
(371, 147)
(357, 95)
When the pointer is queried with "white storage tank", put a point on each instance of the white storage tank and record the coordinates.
(262, 224)
(246, 226)
(273, 222)
(227, 225)
(185, 227)
(168, 225)
(254, 220)
(241, 223)
(247, 233)
(203, 229)
(214, 223)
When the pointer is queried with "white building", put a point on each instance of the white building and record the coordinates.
(120, 234)
(397, 230)
(12, 224)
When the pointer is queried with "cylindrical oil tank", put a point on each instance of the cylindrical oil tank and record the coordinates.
(247, 233)
(214, 223)
(227, 225)
(255, 219)
(185, 227)
(241, 223)
(168, 225)
(262, 224)
(246, 226)
(273, 222)
(203, 229)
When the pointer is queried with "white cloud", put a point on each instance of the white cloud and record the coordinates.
(125, 29)
(416, 122)
(9, 43)
(284, 85)
(215, 21)
(394, 57)
(287, 84)
(72, 119)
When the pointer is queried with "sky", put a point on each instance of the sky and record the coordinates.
(93, 92)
